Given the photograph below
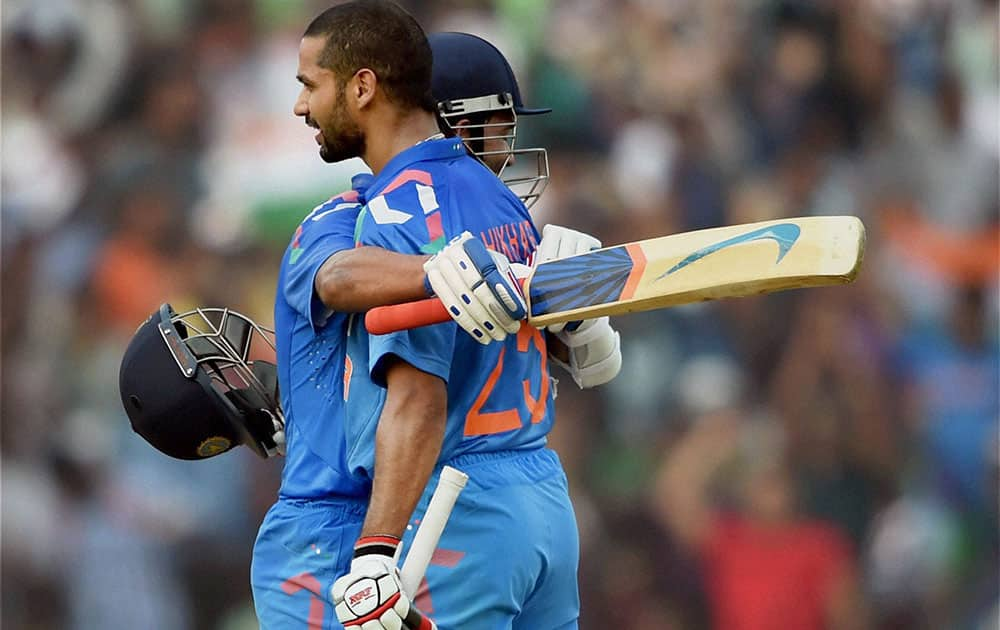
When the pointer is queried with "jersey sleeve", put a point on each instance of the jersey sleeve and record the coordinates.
(407, 219)
(328, 229)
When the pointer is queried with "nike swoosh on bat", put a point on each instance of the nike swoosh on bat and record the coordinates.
(785, 234)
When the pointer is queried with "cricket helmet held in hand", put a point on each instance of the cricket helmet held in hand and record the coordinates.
(199, 383)
(471, 80)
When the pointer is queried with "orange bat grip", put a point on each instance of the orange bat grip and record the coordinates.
(386, 319)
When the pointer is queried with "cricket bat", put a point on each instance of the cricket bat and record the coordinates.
(450, 484)
(723, 262)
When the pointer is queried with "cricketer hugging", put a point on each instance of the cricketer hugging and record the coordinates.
(370, 424)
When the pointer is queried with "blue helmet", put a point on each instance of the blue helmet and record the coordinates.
(472, 80)
(195, 385)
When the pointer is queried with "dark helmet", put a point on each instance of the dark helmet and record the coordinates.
(193, 388)
(471, 79)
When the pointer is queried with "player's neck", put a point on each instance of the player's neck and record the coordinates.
(395, 134)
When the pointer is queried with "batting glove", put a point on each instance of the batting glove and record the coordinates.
(371, 596)
(560, 242)
(478, 287)
(595, 354)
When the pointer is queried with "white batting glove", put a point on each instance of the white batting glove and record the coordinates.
(560, 242)
(478, 287)
(595, 354)
(371, 596)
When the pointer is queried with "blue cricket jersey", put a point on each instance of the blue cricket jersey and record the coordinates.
(311, 354)
(499, 396)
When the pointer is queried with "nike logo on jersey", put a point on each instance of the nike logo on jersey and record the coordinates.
(784, 234)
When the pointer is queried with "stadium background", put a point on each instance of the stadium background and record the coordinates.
(150, 154)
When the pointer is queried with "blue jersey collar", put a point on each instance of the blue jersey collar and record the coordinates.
(441, 149)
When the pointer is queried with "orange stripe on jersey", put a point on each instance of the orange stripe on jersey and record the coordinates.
(638, 268)
(407, 176)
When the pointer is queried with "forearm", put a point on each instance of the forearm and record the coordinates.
(407, 445)
(355, 280)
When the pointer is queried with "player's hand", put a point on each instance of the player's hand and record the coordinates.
(371, 596)
(478, 287)
(560, 242)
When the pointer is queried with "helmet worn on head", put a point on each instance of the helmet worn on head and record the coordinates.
(471, 79)
(193, 387)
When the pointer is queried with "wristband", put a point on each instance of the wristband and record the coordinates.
(381, 544)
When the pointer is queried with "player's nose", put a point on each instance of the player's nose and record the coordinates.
(300, 108)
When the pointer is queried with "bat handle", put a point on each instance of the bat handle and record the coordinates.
(429, 532)
(382, 320)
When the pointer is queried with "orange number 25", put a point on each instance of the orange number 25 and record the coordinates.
(478, 422)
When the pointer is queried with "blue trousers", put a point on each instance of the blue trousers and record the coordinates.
(508, 557)
(302, 547)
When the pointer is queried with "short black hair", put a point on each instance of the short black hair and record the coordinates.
(382, 36)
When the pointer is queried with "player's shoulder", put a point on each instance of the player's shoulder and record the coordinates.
(470, 182)
(345, 202)
(419, 189)
(468, 170)
(413, 192)
(427, 189)
(458, 171)
(336, 215)
(329, 224)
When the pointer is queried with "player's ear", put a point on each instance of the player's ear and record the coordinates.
(362, 87)
(461, 128)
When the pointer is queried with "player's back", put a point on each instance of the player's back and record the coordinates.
(499, 395)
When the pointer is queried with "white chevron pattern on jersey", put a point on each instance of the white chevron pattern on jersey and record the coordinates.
(384, 215)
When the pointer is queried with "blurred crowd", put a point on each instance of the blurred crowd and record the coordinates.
(813, 459)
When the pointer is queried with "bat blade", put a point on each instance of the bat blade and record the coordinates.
(710, 264)
(724, 262)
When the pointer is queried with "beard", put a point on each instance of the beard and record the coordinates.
(497, 163)
(342, 138)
